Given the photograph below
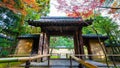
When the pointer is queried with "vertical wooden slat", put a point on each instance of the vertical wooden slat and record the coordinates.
(40, 44)
(45, 46)
(70, 62)
(40, 49)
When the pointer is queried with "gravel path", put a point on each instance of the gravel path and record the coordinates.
(63, 64)
(55, 64)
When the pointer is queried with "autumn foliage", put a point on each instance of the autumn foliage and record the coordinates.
(85, 8)
(19, 6)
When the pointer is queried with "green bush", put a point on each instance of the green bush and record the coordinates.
(4, 53)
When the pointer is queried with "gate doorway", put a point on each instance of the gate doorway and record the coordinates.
(61, 47)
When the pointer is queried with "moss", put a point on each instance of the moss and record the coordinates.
(54, 57)
(13, 64)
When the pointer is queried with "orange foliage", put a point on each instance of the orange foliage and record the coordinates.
(74, 14)
(31, 3)
(83, 14)
(10, 4)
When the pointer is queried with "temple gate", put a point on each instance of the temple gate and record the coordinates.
(60, 26)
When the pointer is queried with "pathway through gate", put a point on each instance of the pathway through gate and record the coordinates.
(63, 63)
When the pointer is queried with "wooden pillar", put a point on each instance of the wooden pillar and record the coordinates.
(80, 45)
(89, 49)
(48, 37)
(80, 39)
(75, 44)
(41, 43)
(48, 49)
(45, 46)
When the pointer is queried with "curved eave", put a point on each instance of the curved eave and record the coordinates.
(95, 37)
(29, 36)
(52, 21)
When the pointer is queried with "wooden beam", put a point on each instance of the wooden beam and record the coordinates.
(21, 59)
(86, 64)
(63, 33)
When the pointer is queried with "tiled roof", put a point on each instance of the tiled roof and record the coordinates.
(94, 36)
(60, 21)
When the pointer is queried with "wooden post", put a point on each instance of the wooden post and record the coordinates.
(46, 45)
(75, 44)
(40, 49)
(80, 39)
(27, 64)
(70, 62)
(48, 61)
(48, 41)
(80, 45)
(66, 56)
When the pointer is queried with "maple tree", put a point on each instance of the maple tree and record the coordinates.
(24, 7)
(19, 6)
(87, 8)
